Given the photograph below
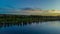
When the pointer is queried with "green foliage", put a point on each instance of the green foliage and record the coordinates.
(25, 18)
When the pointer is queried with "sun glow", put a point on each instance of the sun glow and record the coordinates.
(54, 11)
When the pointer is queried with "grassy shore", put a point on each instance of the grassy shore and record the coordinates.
(26, 18)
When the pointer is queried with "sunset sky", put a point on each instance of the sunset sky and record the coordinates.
(18, 4)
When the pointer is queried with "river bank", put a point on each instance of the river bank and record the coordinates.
(26, 18)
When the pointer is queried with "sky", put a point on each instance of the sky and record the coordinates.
(41, 4)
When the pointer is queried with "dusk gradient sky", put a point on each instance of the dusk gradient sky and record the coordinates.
(42, 4)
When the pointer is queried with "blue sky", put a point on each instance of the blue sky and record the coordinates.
(42, 4)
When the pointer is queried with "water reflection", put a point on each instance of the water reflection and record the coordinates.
(48, 27)
(18, 24)
(28, 23)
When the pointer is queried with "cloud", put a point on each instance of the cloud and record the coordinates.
(23, 11)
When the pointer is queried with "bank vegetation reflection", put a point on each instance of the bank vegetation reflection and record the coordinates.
(17, 24)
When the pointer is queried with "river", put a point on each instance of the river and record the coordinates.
(49, 27)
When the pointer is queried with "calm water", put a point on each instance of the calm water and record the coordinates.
(50, 27)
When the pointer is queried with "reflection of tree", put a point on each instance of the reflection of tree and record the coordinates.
(1, 25)
(17, 24)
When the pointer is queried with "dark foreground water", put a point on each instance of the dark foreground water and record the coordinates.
(50, 27)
